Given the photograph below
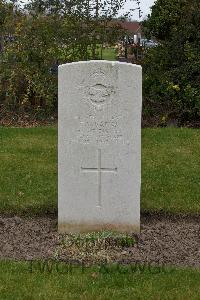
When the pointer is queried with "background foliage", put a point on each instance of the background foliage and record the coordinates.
(36, 38)
(42, 35)
(172, 70)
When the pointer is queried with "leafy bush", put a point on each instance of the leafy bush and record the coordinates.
(47, 34)
(172, 69)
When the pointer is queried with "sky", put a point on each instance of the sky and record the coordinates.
(145, 7)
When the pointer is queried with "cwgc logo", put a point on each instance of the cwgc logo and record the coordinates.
(98, 91)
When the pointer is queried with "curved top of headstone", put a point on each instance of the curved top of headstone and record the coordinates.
(113, 63)
(98, 81)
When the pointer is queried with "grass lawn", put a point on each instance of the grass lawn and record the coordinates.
(28, 185)
(28, 170)
(170, 170)
(18, 282)
(109, 54)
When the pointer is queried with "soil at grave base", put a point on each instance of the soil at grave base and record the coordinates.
(25, 119)
(163, 240)
(13, 119)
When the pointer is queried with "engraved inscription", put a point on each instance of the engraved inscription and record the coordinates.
(100, 131)
(100, 122)
(99, 171)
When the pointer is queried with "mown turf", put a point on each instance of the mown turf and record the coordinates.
(109, 54)
(28, 170)
(170, 170)
(20, 280)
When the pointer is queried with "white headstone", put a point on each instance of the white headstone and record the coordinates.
(99, 151)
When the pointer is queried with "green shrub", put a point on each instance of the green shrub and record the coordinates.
(49, 33)
(172, 69)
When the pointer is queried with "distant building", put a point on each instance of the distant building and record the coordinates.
(132, 27)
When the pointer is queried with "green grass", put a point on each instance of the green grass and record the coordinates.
(171, 170)
(28, 170)
(28, 185)
(109, 54)
(18, 282)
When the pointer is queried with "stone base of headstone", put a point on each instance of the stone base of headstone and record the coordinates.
(84, 228)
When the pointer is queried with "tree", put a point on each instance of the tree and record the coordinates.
(172, 70)
(92, 20)
(8, 18)
(48, 33)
